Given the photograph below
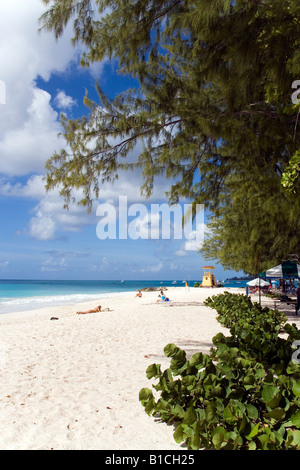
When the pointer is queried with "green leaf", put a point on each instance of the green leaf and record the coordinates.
(210, 412)
(296, 388)
(252, 445)
(295, 418)
(293, 438)
(219, 435)
(249, 380)
(190, 416)
(150, 406)
(179, 434)
(197, 360)
(178, 362)
(252, 412)
(230, 418)
(296, 438)
(178, 411)
(195, 442)
(271, 395)
(276, 413)
(153, 370)
(264, 440)
(145, 394)
(188, 430)
(253, 432)
(170, 350)
(259, 373)
(238, 441)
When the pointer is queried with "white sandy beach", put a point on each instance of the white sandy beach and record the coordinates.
(73, 383)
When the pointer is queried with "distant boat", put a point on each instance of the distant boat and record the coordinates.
(174, 282)
(122, 282)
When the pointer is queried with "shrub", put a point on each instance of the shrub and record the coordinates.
(253, 328)
(244, 395)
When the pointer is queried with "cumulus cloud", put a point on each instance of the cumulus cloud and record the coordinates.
(42, 227)
(49, 217)
(63, 101)
(153, 269)
(28, 123)
(25, 148)
(54, 264)
(34, 188)
(194, 240)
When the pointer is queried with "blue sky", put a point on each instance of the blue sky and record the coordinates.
(38, 238)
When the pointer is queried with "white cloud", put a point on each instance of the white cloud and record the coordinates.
(49, 220)
(28, 124)
(181, 252)
(42, 226)
(34, 188)
(54, 264)
(152, 269)
(25, 149)
(49, 216)
(63, 101)
(4, 264)
(194, 240)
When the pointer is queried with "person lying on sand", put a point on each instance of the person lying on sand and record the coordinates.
(163, 298)
(94, 310)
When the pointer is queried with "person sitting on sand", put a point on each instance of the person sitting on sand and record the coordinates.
(139, 294)
(161, 295)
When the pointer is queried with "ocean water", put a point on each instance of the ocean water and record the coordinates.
(21, 295)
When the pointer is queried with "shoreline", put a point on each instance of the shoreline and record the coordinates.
(63, 293)
(59, 301)
(73, 383)
(69, 305)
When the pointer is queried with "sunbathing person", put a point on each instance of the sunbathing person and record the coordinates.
(163, 298)
(93, 310)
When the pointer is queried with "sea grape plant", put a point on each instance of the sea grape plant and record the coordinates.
(238, 396)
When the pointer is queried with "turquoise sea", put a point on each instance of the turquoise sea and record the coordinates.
(21, 295)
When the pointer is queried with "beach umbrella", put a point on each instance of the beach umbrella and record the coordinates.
(285, 270)
(257, 282)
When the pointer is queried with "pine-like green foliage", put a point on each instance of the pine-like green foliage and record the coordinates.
(256, 229)
(213, 103)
